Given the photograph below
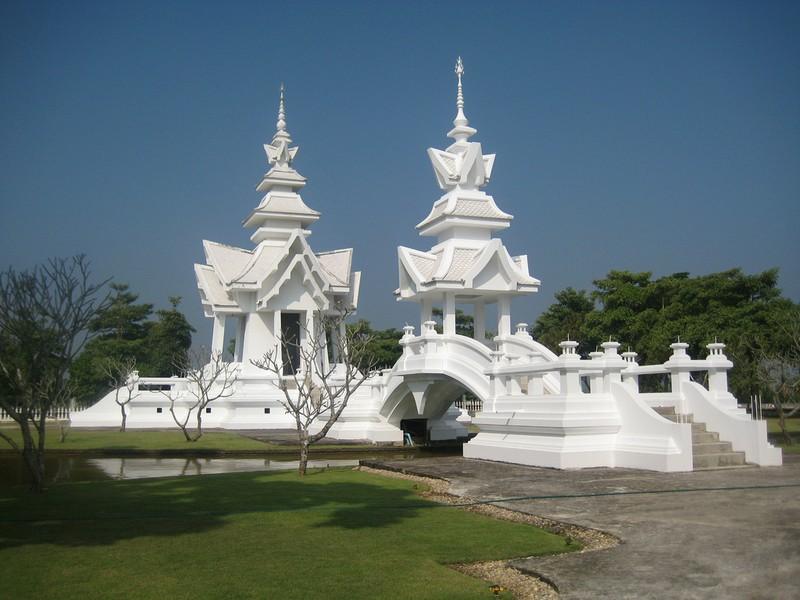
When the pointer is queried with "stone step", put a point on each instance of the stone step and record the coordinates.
(708, 452)
(711, 448)
(671, 416)
(704, 437)
(712, 461)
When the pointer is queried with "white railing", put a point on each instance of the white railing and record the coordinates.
(59, 413)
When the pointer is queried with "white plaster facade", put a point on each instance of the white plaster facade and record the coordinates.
(538, 408)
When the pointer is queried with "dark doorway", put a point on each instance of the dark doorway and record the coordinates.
(290, 334)
(417, 429)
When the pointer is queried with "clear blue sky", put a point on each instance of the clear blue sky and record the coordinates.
(661, 136)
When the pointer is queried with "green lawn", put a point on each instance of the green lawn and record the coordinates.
(793, 425)
(335, 534)
(112, 439)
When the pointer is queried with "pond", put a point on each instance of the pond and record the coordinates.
(81, 468)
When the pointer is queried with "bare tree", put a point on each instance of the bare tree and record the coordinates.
(779, 372)
(123, 378)
(317, 391)
(44, 314)
(204, 385)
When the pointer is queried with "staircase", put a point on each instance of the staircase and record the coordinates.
(708, 452)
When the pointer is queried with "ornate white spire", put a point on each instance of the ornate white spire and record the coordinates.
(281, 124)
(279, 154)
(460, 119)
(461, 130)
(463, 164)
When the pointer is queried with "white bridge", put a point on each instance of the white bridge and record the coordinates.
(564, 411)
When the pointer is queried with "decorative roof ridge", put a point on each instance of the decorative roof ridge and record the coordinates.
(228, 246)
(333, 251)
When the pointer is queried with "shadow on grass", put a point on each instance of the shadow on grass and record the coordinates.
(100, 513)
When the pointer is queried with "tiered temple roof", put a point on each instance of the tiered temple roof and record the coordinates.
(466, 257)
(281, 223)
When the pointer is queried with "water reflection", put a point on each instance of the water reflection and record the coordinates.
(141, 468)
(60, 469)
(77, 468)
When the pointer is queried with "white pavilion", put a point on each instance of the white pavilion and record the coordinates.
(274, 290)
(466, 265)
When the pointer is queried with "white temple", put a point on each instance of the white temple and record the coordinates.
(538, 408)
(276, 289)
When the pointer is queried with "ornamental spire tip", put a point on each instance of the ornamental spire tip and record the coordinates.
(460, 119)
(461, 131)
(281, 124)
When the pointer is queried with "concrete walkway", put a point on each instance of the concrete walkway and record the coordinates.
(734, 534)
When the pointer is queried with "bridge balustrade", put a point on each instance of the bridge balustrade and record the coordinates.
(511, 375)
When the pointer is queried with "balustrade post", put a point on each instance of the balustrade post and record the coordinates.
(718, 369)
(679, 366)
(513, 386)
(596, 378)
(612, 364)
(569, 368)
(522, 331)
(405, 341)
(497, 383)
(629, 376)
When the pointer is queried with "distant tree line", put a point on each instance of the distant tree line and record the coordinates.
(747, 312)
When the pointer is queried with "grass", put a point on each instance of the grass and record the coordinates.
(792, 426)
(147, 440)
(334, 534)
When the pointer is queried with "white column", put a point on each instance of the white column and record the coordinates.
(504, 316)
(449, 317)
(241, 323)
(310, 333)
(218, 336)
(342, 345)
(479, 321)
(426, 312)
(258, 338)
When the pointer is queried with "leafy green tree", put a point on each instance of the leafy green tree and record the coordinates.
(566, 319)
(120, 333)
(649, 314)
(465, 324)
(168, 340)
(382, 347)
(125, 332)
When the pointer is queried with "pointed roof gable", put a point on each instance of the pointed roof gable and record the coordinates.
(337, 264)
(212, 293)
(228, 261)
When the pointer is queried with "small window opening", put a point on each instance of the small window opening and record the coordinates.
(266, 411)
(159, 410)
(208, 410)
